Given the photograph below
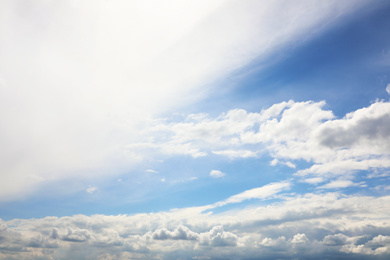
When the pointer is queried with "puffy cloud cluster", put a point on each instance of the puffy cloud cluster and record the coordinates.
(323, 226)
(290, 131)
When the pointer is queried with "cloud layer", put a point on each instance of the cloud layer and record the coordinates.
(328, 225)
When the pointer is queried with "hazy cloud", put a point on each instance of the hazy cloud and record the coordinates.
(217, 174)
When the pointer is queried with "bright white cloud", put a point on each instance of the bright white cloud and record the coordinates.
(291, 131)
(388, 89)
(217, 174)
(84, 79)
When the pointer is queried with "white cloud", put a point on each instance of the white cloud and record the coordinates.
(180, 233)
(292, 131)
(233, 154)
(314, 180)
(339, 184)
(388, 89)
(264, 192)
(85, 78)
(151, 171)
(274, 162)
(217, 174)
(309, 226)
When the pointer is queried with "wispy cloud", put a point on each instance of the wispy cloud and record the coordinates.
(265, 192)
(91, 189)
(89, 77)
(151, 171)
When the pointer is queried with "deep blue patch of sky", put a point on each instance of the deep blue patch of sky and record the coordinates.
(347, 65)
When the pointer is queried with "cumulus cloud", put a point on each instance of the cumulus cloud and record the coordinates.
(180, 233)
(315, 225)
(292, 131)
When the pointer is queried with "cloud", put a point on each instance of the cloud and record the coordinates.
(388, 89)
(70, 110)
(264, 192)
(91, 189)
(217, 174)
(233, 154)
(180, 233)
(151, 171)
(314, 180)
(77, 235)
(293, 131)
(339, 184)
(274, 162)
(217, 237)
(313, 225)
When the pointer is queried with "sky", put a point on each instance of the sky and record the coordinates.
(195, 129)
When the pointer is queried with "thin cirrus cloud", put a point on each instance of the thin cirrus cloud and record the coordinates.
(84, 78)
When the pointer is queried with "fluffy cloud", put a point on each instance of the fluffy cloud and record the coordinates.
(180, 233)
(327, 226)
(291, 131)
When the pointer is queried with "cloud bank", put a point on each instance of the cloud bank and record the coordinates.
(330, 225)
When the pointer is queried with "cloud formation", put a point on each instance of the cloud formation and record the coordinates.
(328, 225)
(292, 131)
(82, 80)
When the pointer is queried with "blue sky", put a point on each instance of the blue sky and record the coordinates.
(195, 130)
